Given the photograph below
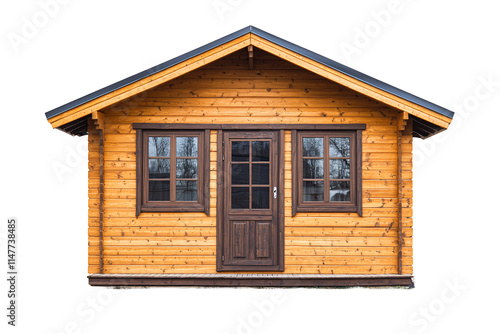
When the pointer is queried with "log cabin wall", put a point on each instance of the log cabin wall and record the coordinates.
(274, 91)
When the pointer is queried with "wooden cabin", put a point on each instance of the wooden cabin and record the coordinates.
(250, 161)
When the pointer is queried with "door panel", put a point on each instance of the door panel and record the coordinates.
(250, 214)
(240, 239)
(263, 240)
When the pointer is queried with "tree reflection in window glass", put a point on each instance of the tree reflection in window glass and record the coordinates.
(159, 146)
(185, 169)
(186, 146)
(339, 147)
(340, 191)
(312, 147)
(315, 159)
(340, 169)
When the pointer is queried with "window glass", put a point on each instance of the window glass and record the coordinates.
(313, 191)
(339, 147)
(159, 146)
(159, 190)
(326, 177)
(313, 168)
(186, 168)
(340, 169)
(159, 168)
(340, 191)
(186, 191)
(172, 163)
(186, 146)
(312, 147)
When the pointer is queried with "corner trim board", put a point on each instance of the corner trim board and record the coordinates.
(400, 203)
(281, 204)
(220, 203)
(359, 171)
(101, 200)
(138, 169)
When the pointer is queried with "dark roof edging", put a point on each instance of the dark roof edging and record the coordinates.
(274, 39)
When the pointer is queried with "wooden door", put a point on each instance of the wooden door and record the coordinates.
(250, 215)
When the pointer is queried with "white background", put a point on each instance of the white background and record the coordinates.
(442, 51)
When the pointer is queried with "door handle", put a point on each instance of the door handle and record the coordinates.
(275, 192)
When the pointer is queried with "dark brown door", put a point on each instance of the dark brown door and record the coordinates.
(250, 222)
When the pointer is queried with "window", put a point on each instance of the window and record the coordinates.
(173, 171)
(327, 171)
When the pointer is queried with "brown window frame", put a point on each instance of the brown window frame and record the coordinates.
(203, 201)
(298, 203)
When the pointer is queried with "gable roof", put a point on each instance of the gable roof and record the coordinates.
(432, 118)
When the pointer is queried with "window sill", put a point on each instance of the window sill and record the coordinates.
(304, 208)
(178, 207)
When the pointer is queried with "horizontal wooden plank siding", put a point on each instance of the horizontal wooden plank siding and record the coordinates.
(227, 92)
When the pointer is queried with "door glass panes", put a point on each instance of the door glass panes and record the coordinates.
(260, 173)
(250, 165)
(260, 198)
(240, 174)
(240, 151)
(260, 151)
(240, 197)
